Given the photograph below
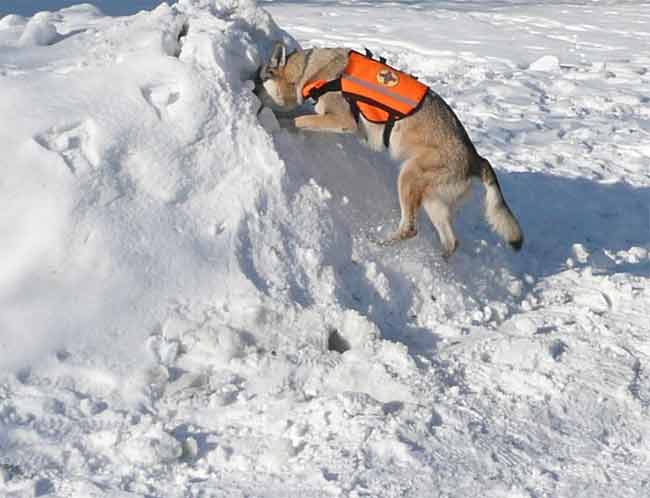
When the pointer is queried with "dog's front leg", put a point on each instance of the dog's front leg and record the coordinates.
(335, 123)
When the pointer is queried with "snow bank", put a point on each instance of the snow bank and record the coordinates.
(115, 204)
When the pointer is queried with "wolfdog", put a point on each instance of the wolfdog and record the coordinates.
(415, 124)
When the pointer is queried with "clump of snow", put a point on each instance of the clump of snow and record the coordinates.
(545, 63)
(87, 10)
(358, 331)
(151, 447)
(11, 20)
(39, 31)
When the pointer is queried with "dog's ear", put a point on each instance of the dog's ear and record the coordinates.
(278, 57)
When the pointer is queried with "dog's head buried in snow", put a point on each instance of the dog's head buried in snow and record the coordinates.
(278, 79)
(353, 95)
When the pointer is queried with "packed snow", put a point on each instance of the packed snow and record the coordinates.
(191, 304)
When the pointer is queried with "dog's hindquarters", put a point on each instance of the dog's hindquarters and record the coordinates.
(497, 212)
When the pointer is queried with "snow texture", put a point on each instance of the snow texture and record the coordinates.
(190, 304)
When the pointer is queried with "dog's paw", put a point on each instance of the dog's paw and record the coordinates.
(448, 251)
(407, 232)
(401, 234)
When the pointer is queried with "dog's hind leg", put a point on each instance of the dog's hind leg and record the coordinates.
(441, 215)
(412, 185)
(410, 193)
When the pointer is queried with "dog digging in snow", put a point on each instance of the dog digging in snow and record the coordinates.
(354, 93)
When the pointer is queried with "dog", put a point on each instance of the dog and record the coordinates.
(438, 158)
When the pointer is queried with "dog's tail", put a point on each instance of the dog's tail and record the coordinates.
(497, 212)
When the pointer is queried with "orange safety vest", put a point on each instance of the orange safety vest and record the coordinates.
(379, 92)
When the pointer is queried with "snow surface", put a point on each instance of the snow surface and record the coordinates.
(189, 303)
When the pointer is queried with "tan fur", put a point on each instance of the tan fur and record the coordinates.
(439, 159)
(333, 115)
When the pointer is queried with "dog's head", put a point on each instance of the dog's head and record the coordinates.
(277, 81)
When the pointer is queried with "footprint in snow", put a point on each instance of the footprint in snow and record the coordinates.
(161, 98)
(75, 143)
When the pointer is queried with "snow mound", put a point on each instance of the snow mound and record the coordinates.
(122, 202)
(39, 31)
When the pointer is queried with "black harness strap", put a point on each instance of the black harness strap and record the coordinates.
(355, 110)
(354, 98)
(330, 86)
(335, 86)
(388, 129)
